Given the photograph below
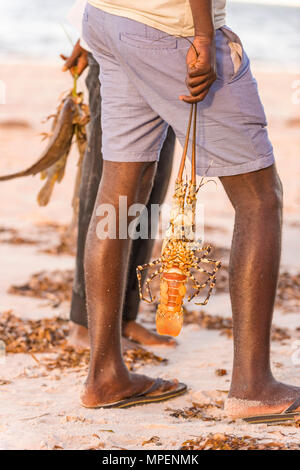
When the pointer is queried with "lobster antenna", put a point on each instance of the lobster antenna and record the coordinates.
(203, 182)
(193, 177)
(186, 144)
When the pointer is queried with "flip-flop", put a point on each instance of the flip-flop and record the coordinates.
(146, 397)
(286, 415)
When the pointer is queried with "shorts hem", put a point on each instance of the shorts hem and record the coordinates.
(133, 157)
(248, 167)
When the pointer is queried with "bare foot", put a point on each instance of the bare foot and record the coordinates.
(97, 394)
(78, 336)
(138, 333)
(274, 397)
(127, 344)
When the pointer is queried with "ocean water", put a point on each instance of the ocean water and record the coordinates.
(269, 29)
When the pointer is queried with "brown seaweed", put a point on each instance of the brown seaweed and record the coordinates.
(197, 411)
(54, 286)
(225, 325)
(221, 441)
(50, 335)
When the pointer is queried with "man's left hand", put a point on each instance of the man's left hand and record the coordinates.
(78, 60)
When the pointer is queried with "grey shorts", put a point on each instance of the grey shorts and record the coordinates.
(142, 74)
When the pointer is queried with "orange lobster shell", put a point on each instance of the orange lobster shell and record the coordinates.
(169, 315)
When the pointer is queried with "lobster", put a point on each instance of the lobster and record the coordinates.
(181, 252)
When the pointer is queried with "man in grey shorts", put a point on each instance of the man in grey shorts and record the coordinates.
(143, 56)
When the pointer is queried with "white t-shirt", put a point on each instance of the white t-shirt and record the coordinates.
(171, 16)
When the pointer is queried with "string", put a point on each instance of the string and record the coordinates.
(186, 144)
(193, 177)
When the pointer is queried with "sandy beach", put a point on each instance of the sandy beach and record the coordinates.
(39, 406)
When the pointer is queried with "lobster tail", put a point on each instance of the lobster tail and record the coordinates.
(169, 315)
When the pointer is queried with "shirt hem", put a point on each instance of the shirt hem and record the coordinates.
(136, 16)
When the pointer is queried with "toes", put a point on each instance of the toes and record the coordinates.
(161, 386)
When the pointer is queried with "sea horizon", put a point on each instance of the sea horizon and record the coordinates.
(269, 30)
(285, 3)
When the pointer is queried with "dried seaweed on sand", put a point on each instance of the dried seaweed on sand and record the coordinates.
(50, 335)
(229, 442)
(197, 411)
(217, 322)
(66, 245)
(65, 239)
(51, 238)
(23, 336)
(70, 358)
(288, 292)
(12, 236)
(54, 286)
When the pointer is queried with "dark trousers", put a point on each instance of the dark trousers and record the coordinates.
(91, 176)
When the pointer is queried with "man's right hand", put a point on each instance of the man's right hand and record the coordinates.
(78, 60)
(201, 69)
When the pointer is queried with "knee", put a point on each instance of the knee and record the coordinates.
(146, 181)
(272, 200)
(267, 200)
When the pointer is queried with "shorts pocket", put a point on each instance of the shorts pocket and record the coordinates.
(85, 14)
(142, 42)
(233, 58)
(245, 95)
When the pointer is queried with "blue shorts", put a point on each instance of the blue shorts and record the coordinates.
(142, 74)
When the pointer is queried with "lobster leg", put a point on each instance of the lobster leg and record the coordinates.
(201, 270)
(147, 284)
(211, 279)
(208, 260)
(139, 269)
(196, 285)
(204, 250)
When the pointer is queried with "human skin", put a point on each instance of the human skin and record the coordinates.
(253, 275)
(200, 59)
(106, 263)
(77, 62)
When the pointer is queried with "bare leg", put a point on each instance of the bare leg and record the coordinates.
(141, 254)
(106, 263)
(253, 274)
